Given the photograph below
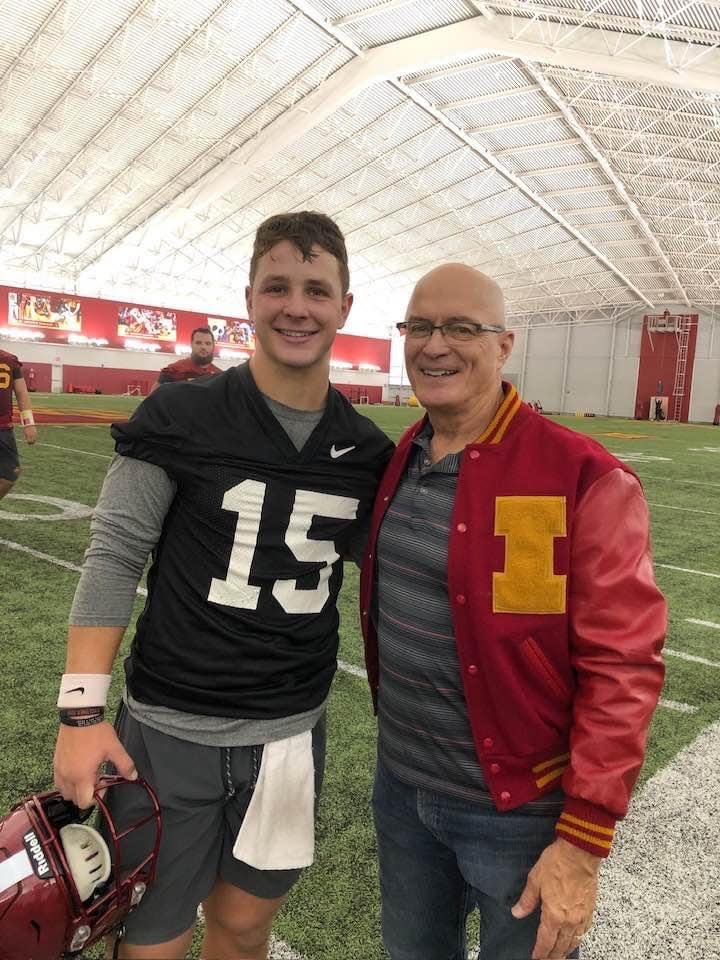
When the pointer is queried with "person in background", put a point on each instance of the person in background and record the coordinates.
(249, 488)
(198, 364)
(513, 631)
(12, 382)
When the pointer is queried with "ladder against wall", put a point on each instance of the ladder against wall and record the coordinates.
(678, 324)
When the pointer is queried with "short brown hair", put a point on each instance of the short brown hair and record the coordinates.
(201, 330)
(304, 229)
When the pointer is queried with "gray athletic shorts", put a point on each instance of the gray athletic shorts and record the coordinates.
(204, 793)
(9, 460)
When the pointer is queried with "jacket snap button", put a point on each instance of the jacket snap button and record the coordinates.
(461, 528)
(474, 454)
(472, 669)
(488, 743)
(494, 768)
(460, 598)
(504, 796)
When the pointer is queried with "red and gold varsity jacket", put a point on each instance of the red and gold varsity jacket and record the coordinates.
(557, 617)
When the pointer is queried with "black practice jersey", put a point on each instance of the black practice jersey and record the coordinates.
(241, 618)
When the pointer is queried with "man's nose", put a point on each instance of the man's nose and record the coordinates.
(295, 304)
(436, 343)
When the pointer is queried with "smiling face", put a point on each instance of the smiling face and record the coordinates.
(297, 306)
(449, 376)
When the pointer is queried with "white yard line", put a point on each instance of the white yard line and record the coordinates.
(88, 453)
(698, 573)
(281, 951)
(667, 506)
(659, 887)
(352, 669)
(690, 656)
(704, 623)
(677, 706)
(11, 545)
(679, 480)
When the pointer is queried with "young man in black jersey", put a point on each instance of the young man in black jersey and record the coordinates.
(249, 488)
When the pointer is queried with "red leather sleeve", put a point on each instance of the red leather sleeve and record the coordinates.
(618, 621)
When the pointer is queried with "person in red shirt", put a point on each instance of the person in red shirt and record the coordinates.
(12, 381)
(513, 630)
(198, 364)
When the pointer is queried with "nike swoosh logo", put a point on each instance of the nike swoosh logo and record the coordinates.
(75, 690)
(335, 453)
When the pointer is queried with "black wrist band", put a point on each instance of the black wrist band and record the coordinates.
(76, 718)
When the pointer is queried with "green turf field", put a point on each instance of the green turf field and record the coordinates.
(333, 912)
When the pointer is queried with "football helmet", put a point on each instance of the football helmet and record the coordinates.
(65, 884)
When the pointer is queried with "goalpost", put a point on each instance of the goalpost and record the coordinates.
(134, 390)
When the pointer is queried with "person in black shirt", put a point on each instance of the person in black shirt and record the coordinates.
(249, 487)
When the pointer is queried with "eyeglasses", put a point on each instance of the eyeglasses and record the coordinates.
(458, 330)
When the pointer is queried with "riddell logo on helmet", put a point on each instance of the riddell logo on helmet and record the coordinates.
(35, 851)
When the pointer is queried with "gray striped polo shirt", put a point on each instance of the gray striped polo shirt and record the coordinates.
(425, 737)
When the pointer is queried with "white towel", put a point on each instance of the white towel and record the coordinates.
(278, 832)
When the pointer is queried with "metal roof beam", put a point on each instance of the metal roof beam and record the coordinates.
(647, 61)
(521, 122)
(554, 95)
(659, 113)
(490, 97)
(630, 27)
(581, 191)
(536, 147)
(387, 7)
(453, 71)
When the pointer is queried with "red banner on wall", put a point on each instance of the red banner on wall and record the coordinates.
(100, 323)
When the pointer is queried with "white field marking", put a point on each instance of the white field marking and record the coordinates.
(351, 668)
(679, 480)
(342, 665)
(11, 545)
(698, 573)
(658, 894)
(690, 656)
(704, 449)
(639, 457)
(88, 453)
(69, 509)
(281, 951)
(677, 706)
(704, 623)
(666, 506)
(39, 556)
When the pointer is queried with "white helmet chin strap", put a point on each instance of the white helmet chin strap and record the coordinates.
(88, 857)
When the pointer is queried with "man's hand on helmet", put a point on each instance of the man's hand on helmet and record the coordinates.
(79, 754)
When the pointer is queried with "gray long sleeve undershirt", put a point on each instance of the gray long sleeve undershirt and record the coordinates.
(125, 528)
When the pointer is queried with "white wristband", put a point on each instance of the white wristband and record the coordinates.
(26, 418)
(83, 690)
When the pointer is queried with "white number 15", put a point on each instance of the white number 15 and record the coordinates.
(246, 500)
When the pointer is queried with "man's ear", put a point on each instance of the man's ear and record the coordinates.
(346, 306)
(506, 346)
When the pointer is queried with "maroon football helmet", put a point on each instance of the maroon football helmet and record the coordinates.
(64, 884)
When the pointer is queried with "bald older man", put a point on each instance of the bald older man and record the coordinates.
(513, 631)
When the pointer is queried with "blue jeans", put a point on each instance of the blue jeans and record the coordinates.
(440, 857)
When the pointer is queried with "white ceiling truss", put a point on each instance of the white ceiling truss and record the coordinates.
(569, 149)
